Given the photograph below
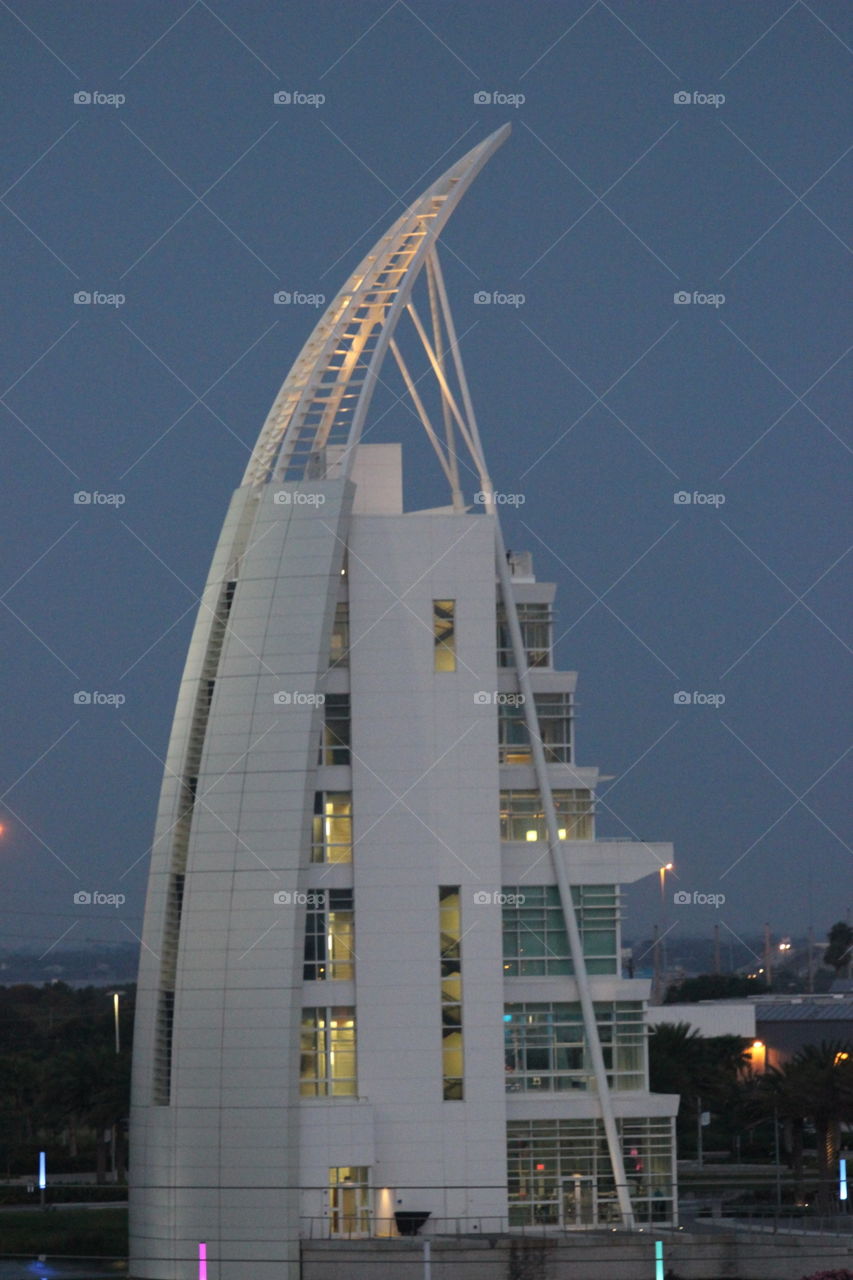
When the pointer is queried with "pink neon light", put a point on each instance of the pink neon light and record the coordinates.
(202, 1262)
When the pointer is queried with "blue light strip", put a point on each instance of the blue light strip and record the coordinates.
(42, 1171)
(842, 1179)
(659, 1260)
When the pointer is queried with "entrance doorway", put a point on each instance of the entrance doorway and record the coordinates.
(349, 1202)
(579, 1202)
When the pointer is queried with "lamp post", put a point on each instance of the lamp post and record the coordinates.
(776, 1157)
(668, 866)
(116, 995)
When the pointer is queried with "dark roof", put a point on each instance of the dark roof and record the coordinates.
(805, 1011)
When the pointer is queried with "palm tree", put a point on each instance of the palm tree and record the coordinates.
(816, 1084)
(839, 953)
(683, 1061)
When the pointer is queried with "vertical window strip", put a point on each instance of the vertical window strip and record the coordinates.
(444, 634)
(452, 1048)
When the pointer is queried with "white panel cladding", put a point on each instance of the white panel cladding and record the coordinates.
(425, 804)
(233, 1118)
(240, 510)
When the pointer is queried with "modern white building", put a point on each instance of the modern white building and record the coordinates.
(380, 972)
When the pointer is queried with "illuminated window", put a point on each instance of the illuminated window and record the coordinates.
(327, 1053)
(332, 828)
(329, 935)
(349, 1201)
(452, 1056)
(554, 714)
(444, 633)
(560, 1172)
(534, 932)
(523, 818)
(334, 743)
(339, 646)
(535, 622)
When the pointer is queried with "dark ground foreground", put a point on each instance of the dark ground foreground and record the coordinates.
(97, 1239)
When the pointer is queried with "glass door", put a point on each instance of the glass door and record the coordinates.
(579, 1202)
(349, 1202)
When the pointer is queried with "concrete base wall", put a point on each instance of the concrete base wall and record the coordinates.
(590, 1256)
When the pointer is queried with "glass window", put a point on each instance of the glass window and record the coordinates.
(554, 714)
(327, 1062)
(444, 634)
(535, 621)
(450, 925)
(339, 647)
(546, 1051)
(329, 935)
(546, 1158)
(331, 837)
(534, 932)
(523, 818)
(335, 740)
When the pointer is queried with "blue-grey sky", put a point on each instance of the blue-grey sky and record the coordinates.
(197, 197)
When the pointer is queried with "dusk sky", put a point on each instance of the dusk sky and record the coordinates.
(182, 197)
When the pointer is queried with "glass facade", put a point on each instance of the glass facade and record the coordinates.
(329, 936)
(534, 932)
(331, 835)
(535, 622)
(327, 1053)
(546, 1051)
(523, 818)
(554, 714)
(339, 646)
(559, 1172)
(335, 739)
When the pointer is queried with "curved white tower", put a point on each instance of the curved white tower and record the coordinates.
(345, 1009)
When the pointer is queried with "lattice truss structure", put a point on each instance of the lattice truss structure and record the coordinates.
(326, 396)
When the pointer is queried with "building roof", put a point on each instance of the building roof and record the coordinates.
(805, 1011)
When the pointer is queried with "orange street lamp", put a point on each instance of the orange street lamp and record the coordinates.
(758, 1055)
(667, 866)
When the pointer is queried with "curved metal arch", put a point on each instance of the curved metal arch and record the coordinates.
(326, 395)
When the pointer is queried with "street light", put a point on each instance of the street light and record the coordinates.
(115, 995)
(663, 870)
